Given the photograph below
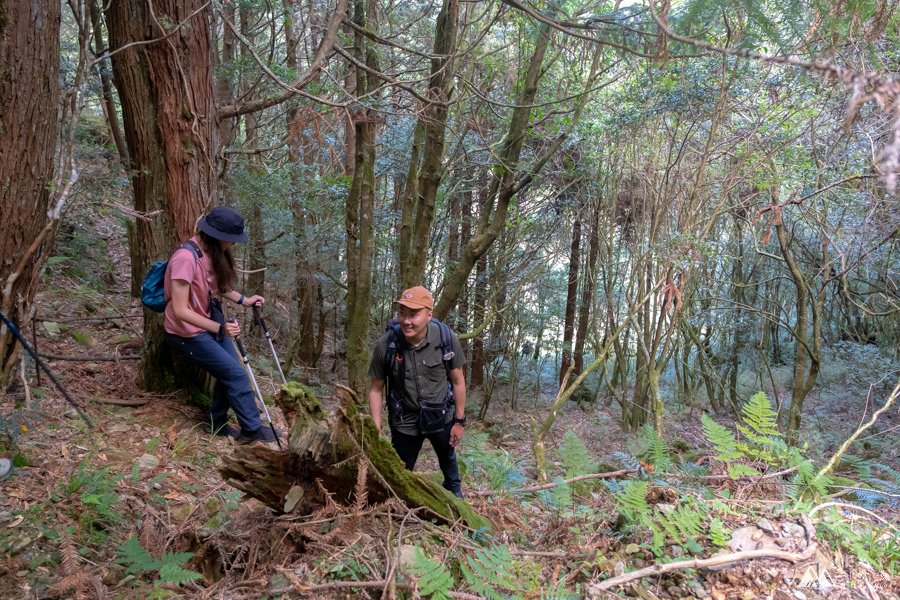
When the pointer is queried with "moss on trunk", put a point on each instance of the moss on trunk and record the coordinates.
(324, 448)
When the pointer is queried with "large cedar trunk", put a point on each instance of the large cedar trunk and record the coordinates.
(168, 107)
(29, 93)
(323, 455)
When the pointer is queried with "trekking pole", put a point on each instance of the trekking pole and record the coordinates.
(39, 362)
(258, 316)
(246, 362)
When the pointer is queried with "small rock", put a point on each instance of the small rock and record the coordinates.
(407, 554)
(148, 461)
(757, 535)
(783, 541)
(21, 573)
(677, 552)
(718, 595)
(278, 581)
(799, 595)
(638, 563)
(747, 595)
(794, 530)
(766, 526)
(293, 497)
(619, 569)
(632, 549)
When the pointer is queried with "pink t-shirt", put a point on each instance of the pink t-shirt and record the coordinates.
(202, 278)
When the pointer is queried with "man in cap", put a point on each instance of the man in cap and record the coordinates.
(426, 367)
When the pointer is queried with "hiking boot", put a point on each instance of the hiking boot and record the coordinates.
(224, 430)
(263, 434)
(458, 494)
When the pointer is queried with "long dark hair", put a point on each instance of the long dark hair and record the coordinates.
(222, 263)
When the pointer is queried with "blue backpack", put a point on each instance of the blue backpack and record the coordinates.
(153, 290)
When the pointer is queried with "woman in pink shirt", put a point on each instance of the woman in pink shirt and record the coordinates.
(197, 270)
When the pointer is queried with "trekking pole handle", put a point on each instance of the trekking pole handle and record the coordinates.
(259, 318)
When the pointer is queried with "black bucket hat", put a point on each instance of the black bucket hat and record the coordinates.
(224, 224)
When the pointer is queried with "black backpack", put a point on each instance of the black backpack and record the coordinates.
(395, 339)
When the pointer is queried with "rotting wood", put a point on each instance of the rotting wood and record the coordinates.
(326, 448)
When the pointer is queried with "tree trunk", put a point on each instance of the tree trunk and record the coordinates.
(360, 209)
(168, 107)
(29, 95)
(439, 86)
(571, 302)
(334, 456)
(587, 290)
(112, 115)
(256, 281)
(478, 316)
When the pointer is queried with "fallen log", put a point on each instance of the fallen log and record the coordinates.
(323, 454)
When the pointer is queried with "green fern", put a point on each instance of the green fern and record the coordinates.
(759, 428)
(574, 457)
(632, 501)
(657, 451)
(718, 534)
(138, 560)
(490, 569)
(434, 578)
(721, 440)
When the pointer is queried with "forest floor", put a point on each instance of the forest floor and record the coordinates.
(81, 498)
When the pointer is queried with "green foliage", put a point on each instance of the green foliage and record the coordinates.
(490, 569)
(503, 469)
(889, 485)
(875, 545)
(574, 457)
(137, 559)
(759, 428)
(434, 578)
(632, 501)
(657, 451)
(721, 439)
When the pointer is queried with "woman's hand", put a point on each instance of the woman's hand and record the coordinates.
(256, 300)
(232, 329)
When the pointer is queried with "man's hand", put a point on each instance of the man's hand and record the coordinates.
(232, 329)
(456, 434)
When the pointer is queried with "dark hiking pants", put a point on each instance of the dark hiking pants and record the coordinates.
(409, 446)
(232, 389)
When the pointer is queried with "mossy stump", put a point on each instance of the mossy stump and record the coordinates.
(327, 448)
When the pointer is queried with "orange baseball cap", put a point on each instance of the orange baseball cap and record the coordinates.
(417, 297)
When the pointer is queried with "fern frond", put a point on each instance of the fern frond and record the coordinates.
(632, 501)
(490, 569)
(721, 439)
(176, 575)
(434, 578)
(628, 461)
(148, 537)
(70, 564)
(136, 557)
(574, 456)
(759, 418)
(738, 470)
(718, 534)
(657, 453)
(360, 493)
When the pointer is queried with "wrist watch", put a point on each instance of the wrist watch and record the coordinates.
(461, 421)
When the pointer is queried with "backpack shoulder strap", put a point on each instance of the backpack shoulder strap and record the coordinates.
(193, 248)
(393, 347)
(446, 344)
